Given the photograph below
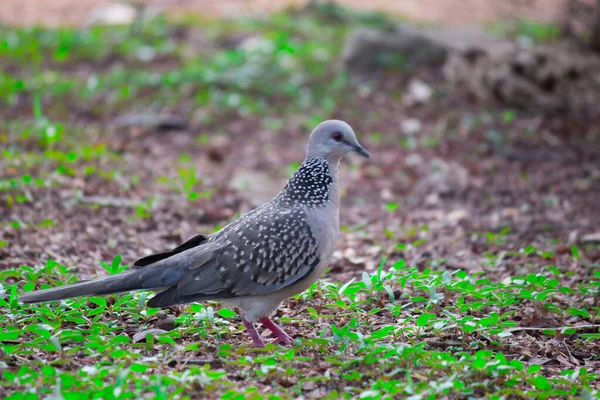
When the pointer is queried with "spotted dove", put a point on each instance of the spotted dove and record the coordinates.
(269, 254)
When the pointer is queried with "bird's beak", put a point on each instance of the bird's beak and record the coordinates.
(361, 150)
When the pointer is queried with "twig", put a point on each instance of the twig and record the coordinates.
(543, 328)
(537, 328)
(109, 201)
(213, 363)
(568, 350)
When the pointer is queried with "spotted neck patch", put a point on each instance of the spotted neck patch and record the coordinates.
(310, 184)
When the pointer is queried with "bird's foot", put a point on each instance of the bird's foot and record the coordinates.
(253, 333)
(282, 342)
(282, 337)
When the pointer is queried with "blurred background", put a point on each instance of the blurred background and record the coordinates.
(128, 127)
(450, 12)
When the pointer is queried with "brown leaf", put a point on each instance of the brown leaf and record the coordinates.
(561, 359)
(540, 360)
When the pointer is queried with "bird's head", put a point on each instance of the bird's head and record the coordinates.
(332, 139)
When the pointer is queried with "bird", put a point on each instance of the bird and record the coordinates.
(269, 254)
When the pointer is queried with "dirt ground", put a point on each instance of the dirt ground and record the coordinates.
(450, 12)
(456, 193)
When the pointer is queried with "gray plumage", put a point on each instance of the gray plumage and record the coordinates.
(267, 255)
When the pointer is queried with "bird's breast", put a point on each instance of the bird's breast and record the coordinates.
(325, 225)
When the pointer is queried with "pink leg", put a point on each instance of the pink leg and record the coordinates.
(282, 337)
(256, 339)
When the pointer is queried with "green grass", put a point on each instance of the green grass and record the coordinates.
(537, 32)
(296, 52)
(399, 331)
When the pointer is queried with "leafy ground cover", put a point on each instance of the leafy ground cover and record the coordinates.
(469, 265)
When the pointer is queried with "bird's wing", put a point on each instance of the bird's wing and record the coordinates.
(151, 259)
(255, 256)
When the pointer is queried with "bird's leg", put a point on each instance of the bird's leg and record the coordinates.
(282, 337)
(256, 339)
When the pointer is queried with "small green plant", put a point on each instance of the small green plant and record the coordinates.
(115, 266)
(535, 31)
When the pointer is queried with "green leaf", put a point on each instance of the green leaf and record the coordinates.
(566, 290)
(313, 313)
(516, 364)
(554, 270)
(48, 371)
(383, 332)
(139, 368)
(533, 368)
(116, 262)
(37, 106)
(552, 283)
(226, 313)
(542, 383)
(99, 301)
(595, 336)
(579, 312)
(526, 293)
(391, 206)
(424, 319)
(575, 251)
(345, 286)
(13, 298)
(399, 264)
(166, 339)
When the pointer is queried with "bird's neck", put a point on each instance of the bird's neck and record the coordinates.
(334, 194)
(314, 183)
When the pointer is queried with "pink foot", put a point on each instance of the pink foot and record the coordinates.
(282, 337)
(256, 339)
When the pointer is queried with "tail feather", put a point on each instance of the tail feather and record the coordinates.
(128, 281)
(157, 272)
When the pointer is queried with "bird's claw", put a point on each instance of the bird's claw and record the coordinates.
(283, 340)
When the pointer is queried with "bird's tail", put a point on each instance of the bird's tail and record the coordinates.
(125, 282)
(155, 272)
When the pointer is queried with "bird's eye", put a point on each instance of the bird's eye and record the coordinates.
(337, 136)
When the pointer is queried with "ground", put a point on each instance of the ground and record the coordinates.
(468, 265)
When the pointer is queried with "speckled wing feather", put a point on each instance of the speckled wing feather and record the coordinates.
(272, 250)
(259, 254)
(266, 250)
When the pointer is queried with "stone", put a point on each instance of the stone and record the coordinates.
(112, 14)
(411, 126)
(369, 49)
(418, 93)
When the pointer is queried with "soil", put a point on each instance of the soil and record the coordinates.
(533, 176)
